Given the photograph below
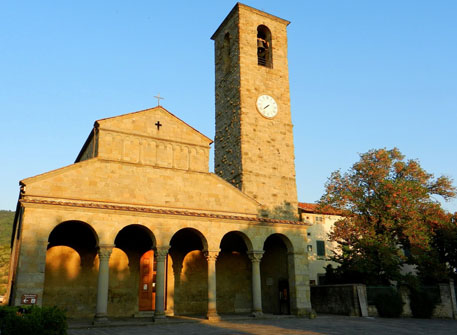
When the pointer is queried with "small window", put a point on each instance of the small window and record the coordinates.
(226, 53)
(264, 48)
(320, 248)
(310, 248)
(318, 219)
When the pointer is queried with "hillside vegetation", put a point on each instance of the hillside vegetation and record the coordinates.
(6, 225)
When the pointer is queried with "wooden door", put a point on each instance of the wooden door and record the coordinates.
(147, 282)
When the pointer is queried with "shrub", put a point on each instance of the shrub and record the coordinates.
(389, 304)
(422, 303)
(32, 320)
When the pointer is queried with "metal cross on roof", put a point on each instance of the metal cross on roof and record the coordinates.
(158, 97)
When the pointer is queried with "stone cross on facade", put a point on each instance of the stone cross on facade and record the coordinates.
(158, 97)
(158, 124)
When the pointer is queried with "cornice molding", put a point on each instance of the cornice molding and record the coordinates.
(93, 205)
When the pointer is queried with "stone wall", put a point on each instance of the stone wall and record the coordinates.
(154, 152)
(120, 182)
(188, 280)
(70, 282)
(227, 142)
(446, 307)
(336, 299)
(90, 148)
(233, 286)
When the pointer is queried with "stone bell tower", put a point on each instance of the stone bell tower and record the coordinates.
(254, 147)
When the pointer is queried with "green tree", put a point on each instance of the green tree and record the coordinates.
(440, 262)
(389, 215)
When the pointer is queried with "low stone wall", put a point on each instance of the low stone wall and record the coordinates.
(336, 299)
(447, 307)
(345, 300)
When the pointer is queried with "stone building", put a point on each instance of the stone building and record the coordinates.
(319, 248)
(138, 225)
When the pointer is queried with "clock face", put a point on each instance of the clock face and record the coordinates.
(267, 106)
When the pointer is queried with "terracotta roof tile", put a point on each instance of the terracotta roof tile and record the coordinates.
(312, 208)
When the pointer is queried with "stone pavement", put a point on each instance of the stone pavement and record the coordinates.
(323, 324)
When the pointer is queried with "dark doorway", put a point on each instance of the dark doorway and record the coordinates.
(274, 276)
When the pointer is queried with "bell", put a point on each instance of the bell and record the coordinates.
(260, 43)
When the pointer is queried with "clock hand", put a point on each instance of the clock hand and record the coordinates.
(266, 106)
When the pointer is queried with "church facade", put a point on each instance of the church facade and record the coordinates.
(139, 226)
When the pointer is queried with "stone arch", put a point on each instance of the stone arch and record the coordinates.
(276, 274)
(264, 47)
(245, 238)
(234, 288)
(195, 232)
(146, 241)
(70, 275)
(66, 233)
(285, 239)
(188, 273)
(131, 266)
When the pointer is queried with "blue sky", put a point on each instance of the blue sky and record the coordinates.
(363, 75)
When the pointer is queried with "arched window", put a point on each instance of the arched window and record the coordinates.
(226, 53)
(264, 47)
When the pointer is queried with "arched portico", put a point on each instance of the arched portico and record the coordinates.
(276, 274)
(234, 294)
(70, 273)
(131, 271)
(188, 269)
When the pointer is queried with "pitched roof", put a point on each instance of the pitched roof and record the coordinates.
(150, 109)
(313, 209)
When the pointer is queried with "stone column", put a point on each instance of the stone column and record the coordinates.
(104, 253)
(161, 257)
(255, 257)
(211, 257)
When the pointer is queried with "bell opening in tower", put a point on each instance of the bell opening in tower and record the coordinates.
(264, 50)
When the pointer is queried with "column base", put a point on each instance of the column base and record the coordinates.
(159, 316)
(257, 314)
(213, 316)
(100, 318)
(305, 312)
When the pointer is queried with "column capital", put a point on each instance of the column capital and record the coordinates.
(211, 255)
(104, 251)
(161, 253)
(255, 255)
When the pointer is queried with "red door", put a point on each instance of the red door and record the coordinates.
(147, 282)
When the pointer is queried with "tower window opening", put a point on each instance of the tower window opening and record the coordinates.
(226, 53)
(264, 49)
